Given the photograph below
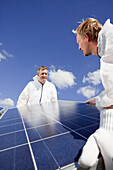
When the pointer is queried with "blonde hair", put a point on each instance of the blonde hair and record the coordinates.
(91, 27)
(41, 68)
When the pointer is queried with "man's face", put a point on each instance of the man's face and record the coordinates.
(43, 74)
(84, 44)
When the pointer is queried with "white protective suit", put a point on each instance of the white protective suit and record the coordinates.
(35, 93)
(102, 139)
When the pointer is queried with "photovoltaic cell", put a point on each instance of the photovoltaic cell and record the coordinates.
(48, 136)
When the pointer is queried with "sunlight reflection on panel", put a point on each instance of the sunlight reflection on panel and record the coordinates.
(38, 114)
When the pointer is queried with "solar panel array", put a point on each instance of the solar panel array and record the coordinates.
(48, 136)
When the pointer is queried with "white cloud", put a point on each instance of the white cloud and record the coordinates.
(7, 102)
(7, 54)
(52, 68)
(2, 57)
(62, 79)
(4, 54)
(74, 31)
(93, 78)
(88, 91)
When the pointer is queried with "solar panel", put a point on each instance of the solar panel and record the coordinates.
(1, 108)
(48, 136)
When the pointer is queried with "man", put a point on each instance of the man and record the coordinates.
(39, 90)
(93, 38)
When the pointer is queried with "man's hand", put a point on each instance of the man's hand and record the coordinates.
(91, 101)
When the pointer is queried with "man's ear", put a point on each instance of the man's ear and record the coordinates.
(87, 37)
(38, 74)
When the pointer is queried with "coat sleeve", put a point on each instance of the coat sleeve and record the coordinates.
(24, 96)
(105, 45)
(105, 98)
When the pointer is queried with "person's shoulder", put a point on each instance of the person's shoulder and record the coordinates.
(49, 83)
(107, 27)
(30, 83)
(107, 23)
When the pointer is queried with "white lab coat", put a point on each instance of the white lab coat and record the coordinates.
(105, 50)
(102, 139)
(34, 93)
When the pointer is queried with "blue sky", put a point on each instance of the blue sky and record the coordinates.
(39, 32)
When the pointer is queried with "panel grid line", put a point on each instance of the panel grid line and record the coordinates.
(67, 127)
(50, 137)
(48, 149)
(32, 155)
(13, 147)
(10, 124)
